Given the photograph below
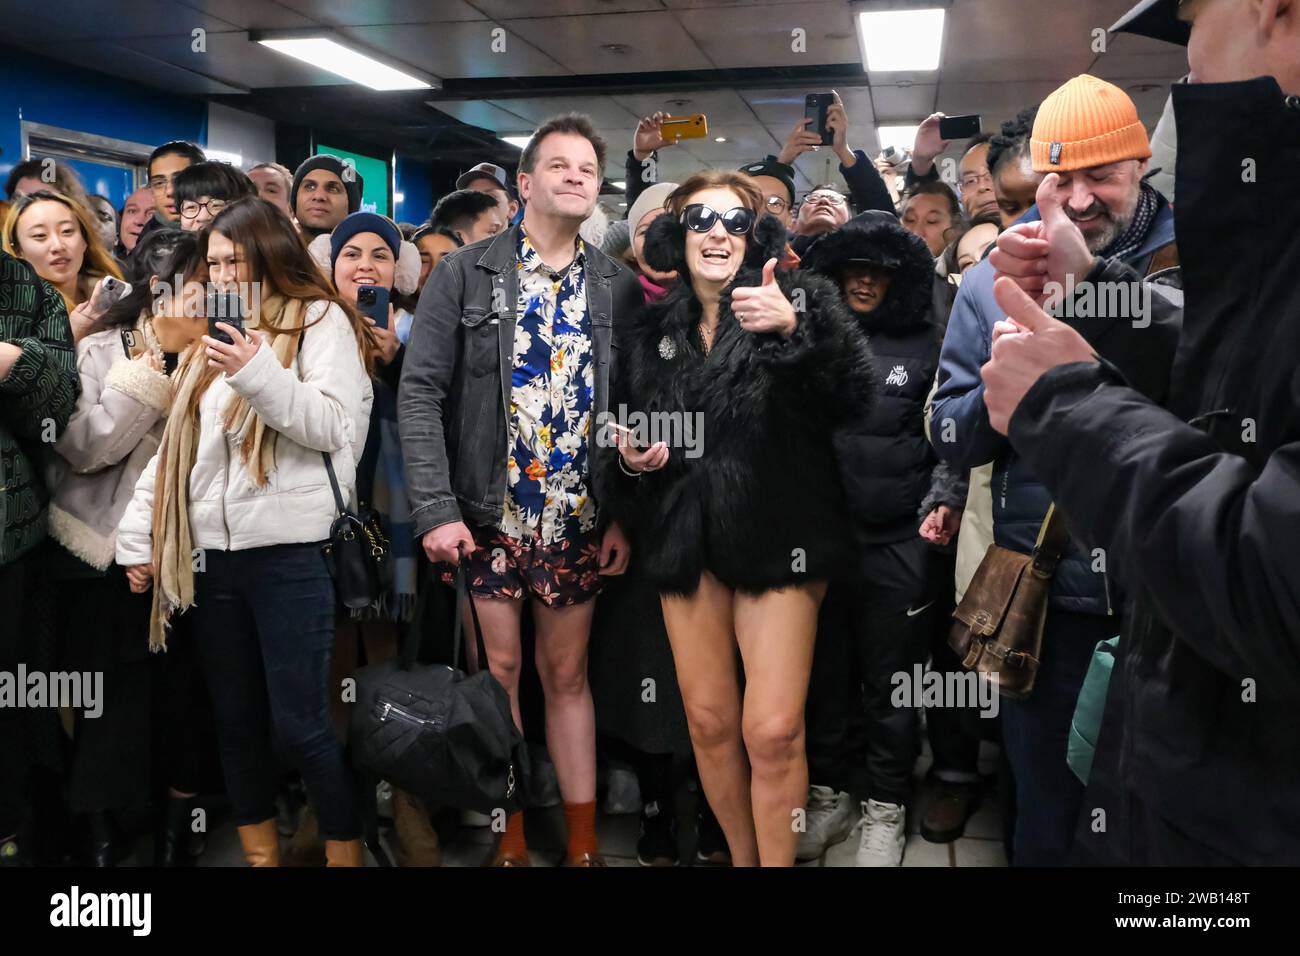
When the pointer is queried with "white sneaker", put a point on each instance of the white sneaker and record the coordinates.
(828, 820)
(884, 832)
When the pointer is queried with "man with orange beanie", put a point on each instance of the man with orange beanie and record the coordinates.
(1088, 133)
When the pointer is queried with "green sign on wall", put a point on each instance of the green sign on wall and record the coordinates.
(374, 178)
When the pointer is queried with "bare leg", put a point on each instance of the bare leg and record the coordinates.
(562, 636)
(500, 620)
(776, 632)
(704, 653)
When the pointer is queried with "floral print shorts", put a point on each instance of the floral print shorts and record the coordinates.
(558, 575)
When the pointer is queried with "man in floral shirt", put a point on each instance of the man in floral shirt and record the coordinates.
(505, 382)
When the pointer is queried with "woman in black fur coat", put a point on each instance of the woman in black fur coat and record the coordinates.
(733, 385)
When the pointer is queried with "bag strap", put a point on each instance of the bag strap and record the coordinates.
(1052, 538)
(411, 646)
(334, 482)
(463, 597)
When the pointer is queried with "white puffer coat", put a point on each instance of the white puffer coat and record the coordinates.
(320, 403)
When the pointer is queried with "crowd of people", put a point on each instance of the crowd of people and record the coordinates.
(726, 466)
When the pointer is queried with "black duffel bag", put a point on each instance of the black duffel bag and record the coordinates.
(432, 730)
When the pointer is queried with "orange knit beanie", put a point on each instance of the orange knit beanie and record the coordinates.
(1087, 122)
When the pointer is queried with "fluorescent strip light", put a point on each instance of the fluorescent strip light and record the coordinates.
(900, 136)
(349, 64)
(897, 40)
(620, 183)
(518, 141)
(399, 197)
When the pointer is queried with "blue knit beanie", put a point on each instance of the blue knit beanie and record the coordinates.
(360, 222)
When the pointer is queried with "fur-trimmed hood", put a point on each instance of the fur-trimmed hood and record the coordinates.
(880, 238)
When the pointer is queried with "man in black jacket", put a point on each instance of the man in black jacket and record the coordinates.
(1194, 502)
(505, 384)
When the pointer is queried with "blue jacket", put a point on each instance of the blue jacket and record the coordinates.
(963, 437)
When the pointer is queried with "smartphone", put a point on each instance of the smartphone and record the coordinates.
(372, 300)
(959, 127)
(814, 108)
(685, 127)
(107, 292)
(132, 343)
(225, 307)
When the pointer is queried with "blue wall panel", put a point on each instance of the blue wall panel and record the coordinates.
(414, 180)
(42, 90)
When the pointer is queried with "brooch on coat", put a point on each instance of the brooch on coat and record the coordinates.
(667, 349)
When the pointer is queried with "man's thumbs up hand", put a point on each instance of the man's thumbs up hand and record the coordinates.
(1025, 346)
(1050, 250)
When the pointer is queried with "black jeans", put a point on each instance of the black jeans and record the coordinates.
(266, 629)
(867, 631)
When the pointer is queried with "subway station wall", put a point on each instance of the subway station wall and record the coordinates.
(43, 90)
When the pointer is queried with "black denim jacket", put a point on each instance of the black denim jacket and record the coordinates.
(454, 396)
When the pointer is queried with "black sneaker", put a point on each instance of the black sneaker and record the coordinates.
(657, 844)
(711, 845)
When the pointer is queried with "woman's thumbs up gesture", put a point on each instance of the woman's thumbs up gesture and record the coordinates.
(764, 308)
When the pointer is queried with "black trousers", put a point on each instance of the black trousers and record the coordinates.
(104, 628)
(15, 759)
(868, 631)
(954, 732)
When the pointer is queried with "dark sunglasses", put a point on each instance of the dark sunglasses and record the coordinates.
(698, 217)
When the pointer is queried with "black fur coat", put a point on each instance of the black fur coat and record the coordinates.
(757, 500)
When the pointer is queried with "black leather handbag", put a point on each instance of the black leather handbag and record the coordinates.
(356, 554)
(432, 730)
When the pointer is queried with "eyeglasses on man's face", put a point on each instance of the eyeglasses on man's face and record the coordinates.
(776, 205)
(191, 209)
(975, 180)
(824, 199)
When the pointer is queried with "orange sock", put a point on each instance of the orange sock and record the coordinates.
(512, 841)
(581, 820)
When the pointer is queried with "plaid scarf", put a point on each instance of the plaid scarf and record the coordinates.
(1130, 241)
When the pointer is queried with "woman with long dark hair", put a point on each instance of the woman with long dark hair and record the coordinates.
(738, 511)
(231, 514)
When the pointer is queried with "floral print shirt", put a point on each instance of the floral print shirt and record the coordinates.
(550, 404)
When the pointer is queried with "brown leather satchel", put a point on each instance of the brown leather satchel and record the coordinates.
(999, 623)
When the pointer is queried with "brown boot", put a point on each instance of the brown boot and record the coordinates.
(261, 843)
(417, 841)
(343, 853)
(306, 848)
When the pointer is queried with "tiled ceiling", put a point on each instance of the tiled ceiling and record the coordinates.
(616, 60)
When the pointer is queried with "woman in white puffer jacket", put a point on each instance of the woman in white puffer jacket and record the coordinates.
(231, 514)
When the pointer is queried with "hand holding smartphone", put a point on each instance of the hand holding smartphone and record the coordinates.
(627, 436)
(372, 300)
(814, 108)
(228, 308)
(107, 292)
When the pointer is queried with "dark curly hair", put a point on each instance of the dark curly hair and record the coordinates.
(1013, 140)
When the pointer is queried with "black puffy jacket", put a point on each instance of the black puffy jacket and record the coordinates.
(884, 458)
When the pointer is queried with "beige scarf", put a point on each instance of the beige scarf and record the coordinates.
(174, 558)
